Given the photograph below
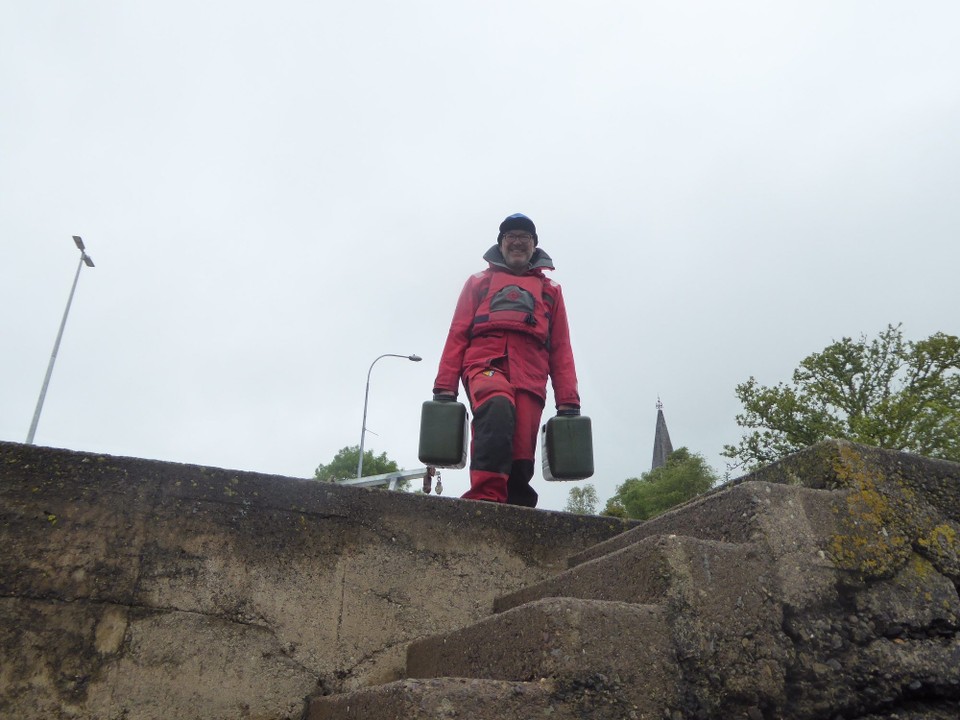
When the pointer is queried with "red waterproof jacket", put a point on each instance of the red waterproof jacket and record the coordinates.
(519, 349)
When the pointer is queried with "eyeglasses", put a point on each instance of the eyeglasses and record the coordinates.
(524, 237)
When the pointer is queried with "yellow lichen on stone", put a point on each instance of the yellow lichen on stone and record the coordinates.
(921, 567)
(940, 544)
(942, 537)
(872, 540)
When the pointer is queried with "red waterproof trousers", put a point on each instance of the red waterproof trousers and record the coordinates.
(504, 438)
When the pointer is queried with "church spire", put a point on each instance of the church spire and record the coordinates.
(661, 440)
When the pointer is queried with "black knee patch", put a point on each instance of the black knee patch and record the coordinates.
(493, 424)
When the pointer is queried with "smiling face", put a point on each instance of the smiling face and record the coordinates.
(517, 249)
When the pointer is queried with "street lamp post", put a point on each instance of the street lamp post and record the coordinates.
(84, 260)
(366, 396)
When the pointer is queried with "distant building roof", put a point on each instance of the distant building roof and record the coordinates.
(661, 440)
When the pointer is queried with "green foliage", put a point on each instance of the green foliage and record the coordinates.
(615, 508)
(886, 392)
(582, 500)
(684, 476)
(344, 466)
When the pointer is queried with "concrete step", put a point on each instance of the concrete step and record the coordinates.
(719, 601)
(617, 630)
(652, 571)
(563, 638)
(749, 512)
(446, 698)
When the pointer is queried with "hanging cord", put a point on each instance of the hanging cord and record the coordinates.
(428, 480)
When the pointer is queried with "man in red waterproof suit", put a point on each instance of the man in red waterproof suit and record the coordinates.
(509, 332)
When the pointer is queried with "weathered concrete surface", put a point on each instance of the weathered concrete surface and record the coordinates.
(446, 698)
(137, 589)
(908, 490)
(564, 639)
(823, 587)
(717, 598)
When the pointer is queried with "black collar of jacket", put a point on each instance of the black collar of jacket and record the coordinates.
(539, 261)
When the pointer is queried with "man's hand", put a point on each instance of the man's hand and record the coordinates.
(444, 397)
(567, 410)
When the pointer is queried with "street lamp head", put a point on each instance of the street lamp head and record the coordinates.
(415, 358)
(79, 242)
(87, 260)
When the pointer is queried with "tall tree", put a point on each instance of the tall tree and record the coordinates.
(684, 476)
(344, 466)
(582, 500)
(887, 392)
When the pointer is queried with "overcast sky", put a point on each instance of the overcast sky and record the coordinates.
(275, 194)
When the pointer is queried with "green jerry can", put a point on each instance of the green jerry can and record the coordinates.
(567, 448)
(443, 434)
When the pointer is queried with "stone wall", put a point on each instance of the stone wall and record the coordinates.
(138, 589)
(823, 587)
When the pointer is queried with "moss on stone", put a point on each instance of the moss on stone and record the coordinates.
(885, 519)
(873, 540)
